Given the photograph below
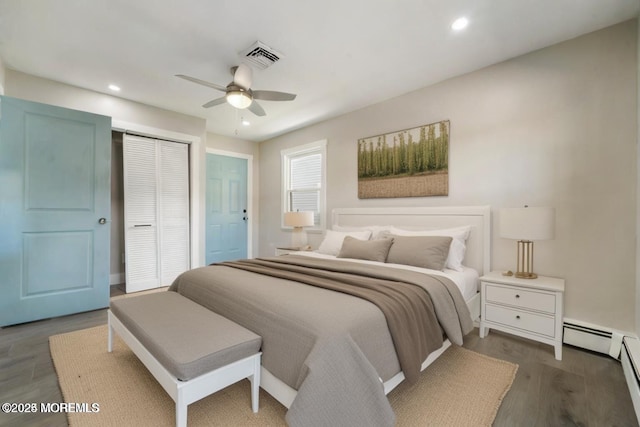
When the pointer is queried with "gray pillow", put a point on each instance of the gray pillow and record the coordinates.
(372, 250)
(420, 251)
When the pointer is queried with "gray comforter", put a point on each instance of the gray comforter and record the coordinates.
(331, 347)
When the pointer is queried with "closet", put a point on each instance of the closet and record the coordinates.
(156, 211)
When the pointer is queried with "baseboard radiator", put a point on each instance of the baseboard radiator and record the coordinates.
(592, 337)
(613, 343)
(630, 358)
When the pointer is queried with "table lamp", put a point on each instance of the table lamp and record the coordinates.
(298, 220)
(526, 225)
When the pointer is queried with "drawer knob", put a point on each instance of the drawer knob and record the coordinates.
(517, 316)
(517, 296)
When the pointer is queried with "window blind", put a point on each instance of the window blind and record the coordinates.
(305, 182)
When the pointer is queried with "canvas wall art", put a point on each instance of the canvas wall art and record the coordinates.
(407, 163)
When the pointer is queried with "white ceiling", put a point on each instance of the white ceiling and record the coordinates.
(339, 55)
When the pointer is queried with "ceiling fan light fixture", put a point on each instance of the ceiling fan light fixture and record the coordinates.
(460, 23)
(239, 99)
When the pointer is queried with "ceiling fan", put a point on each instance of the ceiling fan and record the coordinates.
(238, 93)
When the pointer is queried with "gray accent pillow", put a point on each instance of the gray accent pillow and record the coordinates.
(420, 251)
(372, 250)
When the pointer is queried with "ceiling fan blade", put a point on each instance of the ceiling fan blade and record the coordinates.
(218, 101)
(256, 109)
(242, 76)
(271, 95)
(202, 82)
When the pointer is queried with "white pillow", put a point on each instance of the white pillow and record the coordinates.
(458, 244)
(376, 230)
(332, 242)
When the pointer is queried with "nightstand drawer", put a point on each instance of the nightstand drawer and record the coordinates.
(537, 323)
(517, 297)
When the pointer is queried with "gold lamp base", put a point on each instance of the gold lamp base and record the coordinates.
(525, 260)
(522, 275)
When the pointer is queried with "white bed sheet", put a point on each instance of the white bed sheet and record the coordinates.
(467, 280)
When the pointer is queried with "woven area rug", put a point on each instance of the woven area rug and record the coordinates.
(461, 388)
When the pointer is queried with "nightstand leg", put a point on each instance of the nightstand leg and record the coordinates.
(558, 348)
(484, 331)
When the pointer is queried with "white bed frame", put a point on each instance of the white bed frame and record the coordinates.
(477, 256)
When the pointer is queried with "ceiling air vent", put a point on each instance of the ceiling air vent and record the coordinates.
(260, 55)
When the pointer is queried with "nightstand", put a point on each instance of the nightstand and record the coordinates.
(529, 308)
(286, 251)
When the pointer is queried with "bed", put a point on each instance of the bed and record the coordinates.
(329, 356)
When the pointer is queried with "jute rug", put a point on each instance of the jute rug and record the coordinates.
(461, 388)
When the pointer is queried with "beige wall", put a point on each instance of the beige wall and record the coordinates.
(36, 89)
(117, 269)
(637, 299)
(556, 127)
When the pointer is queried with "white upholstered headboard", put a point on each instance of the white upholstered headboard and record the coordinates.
(478, 254)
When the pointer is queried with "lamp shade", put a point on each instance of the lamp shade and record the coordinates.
(527, 223)
(298, 219)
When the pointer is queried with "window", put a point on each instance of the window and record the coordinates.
(303, 180)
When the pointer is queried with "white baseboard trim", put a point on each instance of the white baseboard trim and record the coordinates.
(630, 358)
(593, 337)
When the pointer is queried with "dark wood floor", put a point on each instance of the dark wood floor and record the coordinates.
(584, 389)
(26, 369)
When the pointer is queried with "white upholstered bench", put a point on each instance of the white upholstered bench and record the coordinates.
(191, 351)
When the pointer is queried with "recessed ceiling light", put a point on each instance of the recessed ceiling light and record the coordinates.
(460, 24)
(245, 122)
(114, 88)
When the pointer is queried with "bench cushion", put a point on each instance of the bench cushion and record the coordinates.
(186, 338)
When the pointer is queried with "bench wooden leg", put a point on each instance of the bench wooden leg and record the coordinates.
(255, 385)
(110, 337)
(181, 412)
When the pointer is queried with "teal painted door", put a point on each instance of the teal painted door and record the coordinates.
(226, 208)
(55, 171)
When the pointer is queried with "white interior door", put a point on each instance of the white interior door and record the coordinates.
(173, 174)
(156, 211)
(140, 213)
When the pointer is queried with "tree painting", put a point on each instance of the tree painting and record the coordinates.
(407, 163)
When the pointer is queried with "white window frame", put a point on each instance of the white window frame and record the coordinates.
(285, 161)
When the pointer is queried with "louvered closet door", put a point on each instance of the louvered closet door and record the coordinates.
(156, 203)
(140, 213)
(174, 210)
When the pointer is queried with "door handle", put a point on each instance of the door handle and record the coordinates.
(102, 221)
